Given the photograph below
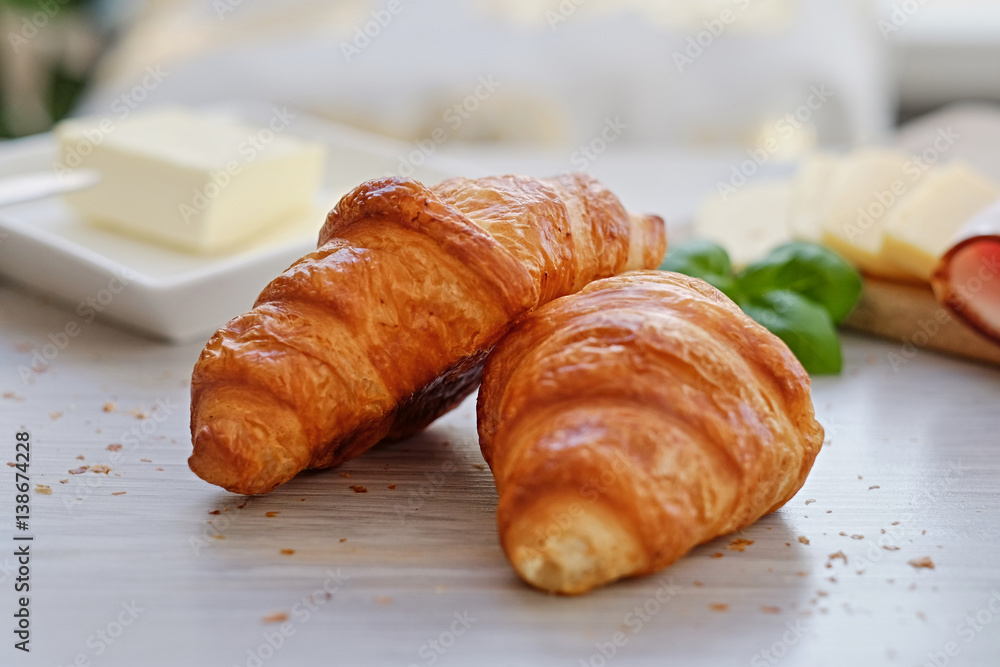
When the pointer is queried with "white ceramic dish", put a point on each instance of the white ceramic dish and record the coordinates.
(164, 293)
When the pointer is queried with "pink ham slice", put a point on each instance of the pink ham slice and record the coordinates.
(967, 279)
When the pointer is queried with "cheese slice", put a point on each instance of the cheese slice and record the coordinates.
(864, 188)
(919, 230)
(748, 223)
(191, 180)
(811, 195)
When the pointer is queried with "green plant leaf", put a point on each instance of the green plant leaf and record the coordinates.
(706, 260)
(804, 325)
(809, 269)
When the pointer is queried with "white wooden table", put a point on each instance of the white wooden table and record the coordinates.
(177, 572)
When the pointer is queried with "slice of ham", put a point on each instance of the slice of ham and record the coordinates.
(967, 279)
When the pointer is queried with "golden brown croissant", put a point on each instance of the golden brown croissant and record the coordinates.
(634, 420)
(386, 325)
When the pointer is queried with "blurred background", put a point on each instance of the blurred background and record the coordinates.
(544, 74)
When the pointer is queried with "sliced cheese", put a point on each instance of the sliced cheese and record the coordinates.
(195, 181)
(748, 223)
(919, 229)
(863, 189)
(811, 195)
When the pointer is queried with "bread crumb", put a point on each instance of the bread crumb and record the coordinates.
(717, 555)
(895, 523)
(160, 469)
(857, 537)
(79, 457)
(479, 466)
(100, 468)
(383, 600)
(145, 460)
(739, 544)
(79, 471)
(118, 493)
(55, 415)
(770, 609)
(803, 539)
(923, 562)
(810, 501)
(874, 487)
(43, 489)
(287, 552)
(392, 487)
(219, 537)
(114, 447)
(802, 573)
(215, 512)
(698, 584)
(109, 407)
(277, 617)
(64, 481)
(356, 488)
(272, 514)
(718, 606)
(11, 464)
(345, 474)
(840, 554)
(889, 547)
(343, 539)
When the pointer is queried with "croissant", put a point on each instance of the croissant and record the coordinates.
(386, 325)
(632, 421)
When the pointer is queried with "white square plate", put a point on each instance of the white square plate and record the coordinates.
(165, 293)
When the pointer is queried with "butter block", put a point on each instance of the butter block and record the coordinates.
(192, 180)
(864, 188)
(810, 197)
(919, 230)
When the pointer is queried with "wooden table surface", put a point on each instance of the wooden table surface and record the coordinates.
(177, 572)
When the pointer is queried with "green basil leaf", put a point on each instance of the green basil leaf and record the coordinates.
(706, 260)
(804, 325)
(809, 269)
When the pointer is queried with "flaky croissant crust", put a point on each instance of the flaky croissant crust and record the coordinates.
(385, 326)
(634, 420)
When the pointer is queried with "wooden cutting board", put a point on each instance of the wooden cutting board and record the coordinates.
(911, 315)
